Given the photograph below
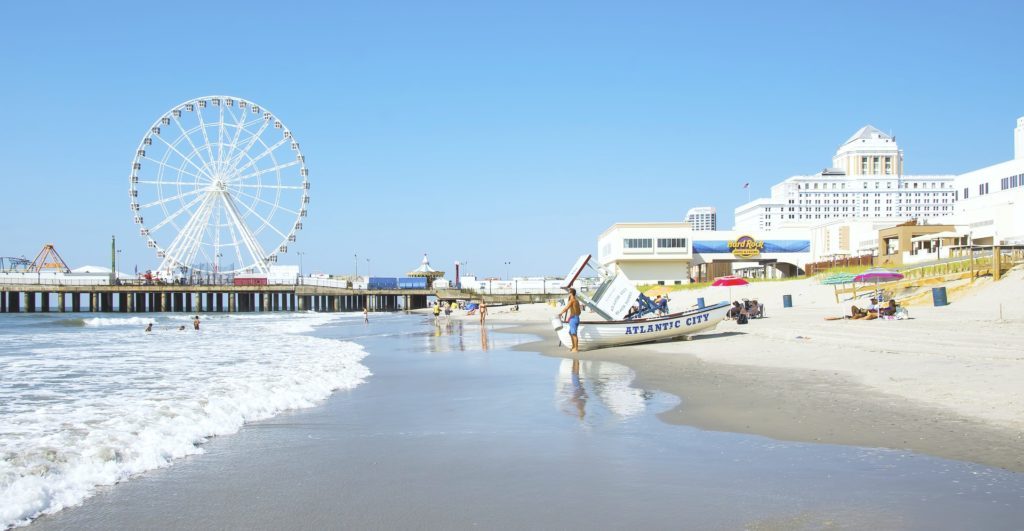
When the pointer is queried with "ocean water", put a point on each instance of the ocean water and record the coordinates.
(456, 429)
(91, 400)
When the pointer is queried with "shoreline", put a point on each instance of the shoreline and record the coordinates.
(801, 406)
(796, 377)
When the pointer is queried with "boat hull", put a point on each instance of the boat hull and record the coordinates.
(602, 334)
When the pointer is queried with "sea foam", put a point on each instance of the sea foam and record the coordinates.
(87, 407)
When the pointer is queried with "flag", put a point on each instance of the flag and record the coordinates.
(746, 185)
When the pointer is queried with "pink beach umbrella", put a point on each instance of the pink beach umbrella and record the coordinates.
(730, 281)
(878, 274)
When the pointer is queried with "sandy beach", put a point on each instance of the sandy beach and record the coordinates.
(945, 382)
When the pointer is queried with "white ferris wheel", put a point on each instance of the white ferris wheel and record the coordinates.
(218, 185)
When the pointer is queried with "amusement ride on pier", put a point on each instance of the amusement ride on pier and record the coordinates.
(218, 177)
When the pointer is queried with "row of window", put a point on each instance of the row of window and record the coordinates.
(877, 212)
(876, 166)
(647, 243)
(637, 243)
(869, 194)
(907, 210)
(1012, 181)
(878, 184)
(877, 198)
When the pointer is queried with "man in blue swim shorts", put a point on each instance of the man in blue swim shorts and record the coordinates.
(572, 310)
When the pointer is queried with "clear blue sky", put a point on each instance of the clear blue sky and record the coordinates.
(489, 133)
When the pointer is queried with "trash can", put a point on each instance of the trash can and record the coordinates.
(700, 302)
(939, 296)
(787, 301)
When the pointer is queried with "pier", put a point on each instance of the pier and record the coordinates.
(32, 298)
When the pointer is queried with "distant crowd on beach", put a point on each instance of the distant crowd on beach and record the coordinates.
(875, 310)
(743, 312)
(449, 307)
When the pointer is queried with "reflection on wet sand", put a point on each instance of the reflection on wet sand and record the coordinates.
(609, 382)
(579, 393)
(448, 335)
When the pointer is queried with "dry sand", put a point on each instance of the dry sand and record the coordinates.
(948, 382)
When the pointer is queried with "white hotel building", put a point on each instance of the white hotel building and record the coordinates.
(990, 200)
(865, 182)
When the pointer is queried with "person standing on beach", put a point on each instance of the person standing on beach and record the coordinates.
(437, 312)
(483, 311)
(366, 314)
(572, 308)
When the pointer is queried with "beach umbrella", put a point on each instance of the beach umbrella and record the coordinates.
(878, 274)
(730, 281)
(837, 279)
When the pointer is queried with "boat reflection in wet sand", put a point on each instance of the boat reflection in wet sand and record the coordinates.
(629, 317)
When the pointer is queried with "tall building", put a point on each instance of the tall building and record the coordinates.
(703, 218)
(865, 182)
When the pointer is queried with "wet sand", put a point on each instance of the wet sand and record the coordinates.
(799, 405)
(456, 430)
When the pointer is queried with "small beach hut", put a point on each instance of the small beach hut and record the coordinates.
(424, 270)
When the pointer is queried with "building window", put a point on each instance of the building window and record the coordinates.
(876, 168)
(637, 243)
(966, 195)
(672, 243)
(888, 165)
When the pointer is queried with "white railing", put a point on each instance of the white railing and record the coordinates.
(51, 279)
(322, 282)
(510, 287)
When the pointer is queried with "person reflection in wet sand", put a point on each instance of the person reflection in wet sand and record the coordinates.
(579, 394)
(483, 338)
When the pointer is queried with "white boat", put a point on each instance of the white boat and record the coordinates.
(629, 317)
(600, 334)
